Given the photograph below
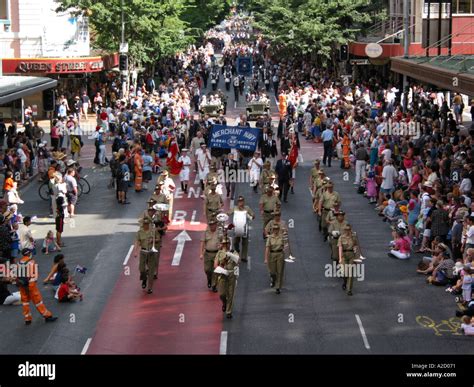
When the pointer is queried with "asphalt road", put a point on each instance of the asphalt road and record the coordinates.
(311, 316)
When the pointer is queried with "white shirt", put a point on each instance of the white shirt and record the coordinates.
(387, 154)
(468, 329)
(203, 158)
(255, 164)
(470, 235)
(25, 237)
(466, 185)
(21, 154)
(185, 160)
(390, 174)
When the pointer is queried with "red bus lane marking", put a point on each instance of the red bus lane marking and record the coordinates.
(181, 316)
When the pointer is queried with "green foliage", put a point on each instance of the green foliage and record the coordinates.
(310, 26)
(153, 29)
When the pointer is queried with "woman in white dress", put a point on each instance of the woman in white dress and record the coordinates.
(185, 160)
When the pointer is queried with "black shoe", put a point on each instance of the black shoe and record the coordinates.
(50, 319)
(224, 307)
(292, 191)
(155, 276)
(244, 260)
(278, 291)
(209, 284)
(344, 286)
(229, 315)
(349, 293)
(149, 291)
(125, 202)
(143, 284)
(214, 289)
(28, 322)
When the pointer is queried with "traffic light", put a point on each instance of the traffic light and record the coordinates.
(49, 102)
(344, 53)
(123, 62)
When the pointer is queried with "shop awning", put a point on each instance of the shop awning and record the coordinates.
(16, 87)
(456, 74)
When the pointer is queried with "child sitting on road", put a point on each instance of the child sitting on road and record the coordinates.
(467, 326)
(49, 244)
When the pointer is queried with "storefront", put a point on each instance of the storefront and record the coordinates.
(73, 75)
(15, 91)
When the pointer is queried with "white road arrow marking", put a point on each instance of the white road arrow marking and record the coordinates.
(181, 238)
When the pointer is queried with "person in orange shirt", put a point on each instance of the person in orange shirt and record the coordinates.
(138, 165)
(346, 151)
(27, 281)
(8, 183)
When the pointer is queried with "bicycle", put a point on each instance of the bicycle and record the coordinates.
(83, 187)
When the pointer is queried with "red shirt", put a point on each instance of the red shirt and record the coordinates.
(63, 292)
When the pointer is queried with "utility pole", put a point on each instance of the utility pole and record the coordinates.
(406, 46)
(123, 51)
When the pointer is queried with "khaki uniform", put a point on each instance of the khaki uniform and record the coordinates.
(328, 201)
(318, 191)
(335, 226)
(212, 177)
(245, 241)
(348, 244)
(283, 227)
(213, 203)
(314, 175)
(276, 259)
(265, 177)
(149, 260)
(226, 284)
(211, 246)
(268, 207)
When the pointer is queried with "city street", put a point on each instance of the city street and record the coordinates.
(390, 312)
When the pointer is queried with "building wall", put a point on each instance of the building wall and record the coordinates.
(36, 30)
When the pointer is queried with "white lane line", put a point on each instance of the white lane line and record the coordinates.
(128, 255)
(223, 345)
(86, 346)
(362, 331)
(249, 263)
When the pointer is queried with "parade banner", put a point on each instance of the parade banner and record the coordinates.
(244, 66)
(228, 137)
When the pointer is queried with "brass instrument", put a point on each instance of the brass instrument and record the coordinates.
(153, 248)
(222, 227)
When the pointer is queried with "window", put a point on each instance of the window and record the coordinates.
(4, 9)
(464, 6)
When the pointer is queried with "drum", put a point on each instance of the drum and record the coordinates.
(240, 224)
(222, 218)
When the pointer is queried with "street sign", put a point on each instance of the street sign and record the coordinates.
(359, 62)
(124, 48)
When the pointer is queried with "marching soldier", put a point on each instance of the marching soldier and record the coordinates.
(241, 206)
(148, 239)
(318, 189)
(276, 220)
(213, 203)
(275, 258)
(336, 229)
(347, 245)
(209, 249)
(331, 216)
(272, 182)
(314, 174)
(328, 198)
(160, 197)
(168, 189)
(265, 176)
(267, 204)
(212, 179)
(149, 213)
(226, 266)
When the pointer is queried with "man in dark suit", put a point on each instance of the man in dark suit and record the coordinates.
(283, 171)
(269, 147)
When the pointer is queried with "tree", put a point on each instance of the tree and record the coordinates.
(153, 29)
(311, 26)
(204, 14)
